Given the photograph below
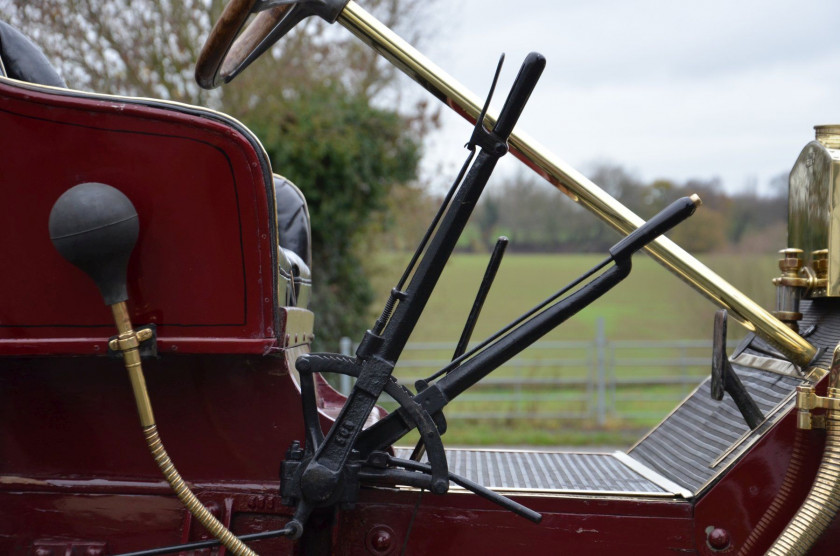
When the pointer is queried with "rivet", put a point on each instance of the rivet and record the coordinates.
(380, 540)
(719, 539)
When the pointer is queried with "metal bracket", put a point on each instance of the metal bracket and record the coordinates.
(806, 401)
(725, 379)
(328, 10)
(145, 339)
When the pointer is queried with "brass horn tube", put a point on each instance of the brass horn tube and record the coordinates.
(576, 185)
(822, 503)
(129, 345)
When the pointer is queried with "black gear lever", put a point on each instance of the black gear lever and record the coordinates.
(321, 480)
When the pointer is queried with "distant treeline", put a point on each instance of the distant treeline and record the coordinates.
(537, 218)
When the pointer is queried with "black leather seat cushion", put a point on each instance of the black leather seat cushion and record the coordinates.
(23, 60)
(292, 219)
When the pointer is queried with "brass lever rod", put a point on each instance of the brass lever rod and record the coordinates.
(414, 64)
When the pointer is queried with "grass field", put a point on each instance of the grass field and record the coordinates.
(651, 304)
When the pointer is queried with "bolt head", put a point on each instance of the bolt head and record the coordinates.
(719, 539)
(381, 540)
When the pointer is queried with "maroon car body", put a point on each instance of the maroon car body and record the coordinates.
(76, 476)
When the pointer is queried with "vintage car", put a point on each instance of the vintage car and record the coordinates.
(110, 198)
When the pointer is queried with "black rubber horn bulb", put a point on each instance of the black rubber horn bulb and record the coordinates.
(94, 226)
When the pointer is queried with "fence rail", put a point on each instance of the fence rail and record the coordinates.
(599, 380)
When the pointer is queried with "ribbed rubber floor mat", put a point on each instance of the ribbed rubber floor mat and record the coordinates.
(552, 471)
(687, 443)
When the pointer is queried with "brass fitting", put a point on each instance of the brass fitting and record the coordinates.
(791, 287)
(819, 264)
(130, 340)
(806, 401)
(819, 260)
(828, 135)
(823, 501)
(791, 266)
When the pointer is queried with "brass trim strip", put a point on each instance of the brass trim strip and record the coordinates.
(576, 185)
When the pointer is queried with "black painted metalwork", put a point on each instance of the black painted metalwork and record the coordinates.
(322, 479)
(481, 296)
(724, 378)
(331, 468)
(469, 326)
(198, 545)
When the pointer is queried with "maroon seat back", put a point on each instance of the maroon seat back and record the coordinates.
(203, 268)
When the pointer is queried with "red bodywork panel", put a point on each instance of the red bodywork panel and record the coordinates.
(202, 267)
(75, 474)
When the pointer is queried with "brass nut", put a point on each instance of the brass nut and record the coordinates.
(820, 263)
(792, 261)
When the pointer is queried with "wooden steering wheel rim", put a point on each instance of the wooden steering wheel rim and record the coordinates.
(225, 54)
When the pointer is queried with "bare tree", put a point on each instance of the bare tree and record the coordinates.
(314, 100)
(149, 47)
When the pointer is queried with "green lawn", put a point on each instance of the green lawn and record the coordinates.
(651, 304)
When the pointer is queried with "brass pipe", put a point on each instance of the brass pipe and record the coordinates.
(129, 344)
(131, 357)
(576, 185)
(823, 501)
(793, 483)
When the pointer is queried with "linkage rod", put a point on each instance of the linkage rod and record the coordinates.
(390, 429)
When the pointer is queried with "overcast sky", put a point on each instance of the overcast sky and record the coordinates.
(667, 89)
